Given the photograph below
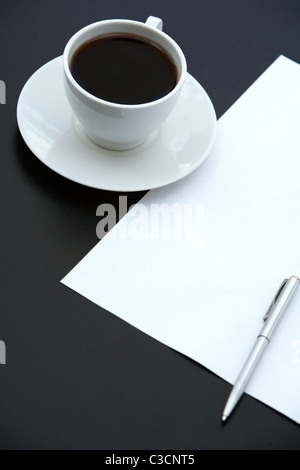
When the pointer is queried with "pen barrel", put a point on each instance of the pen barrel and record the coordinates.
(279, 307)
(245, 376)
(248, 369)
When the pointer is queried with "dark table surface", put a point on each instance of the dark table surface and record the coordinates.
(77, 377)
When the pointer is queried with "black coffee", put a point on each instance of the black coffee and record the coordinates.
(124, 69)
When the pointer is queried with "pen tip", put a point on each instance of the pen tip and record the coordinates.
(224, 417)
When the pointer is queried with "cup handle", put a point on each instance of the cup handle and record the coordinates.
(155, 22)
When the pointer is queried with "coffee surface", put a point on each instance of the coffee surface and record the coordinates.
(124, 69)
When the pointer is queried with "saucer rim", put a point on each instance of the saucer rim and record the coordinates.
(129, 189)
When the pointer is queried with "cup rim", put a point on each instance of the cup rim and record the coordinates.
(80, 90)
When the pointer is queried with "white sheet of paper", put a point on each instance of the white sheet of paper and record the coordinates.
(204, 292)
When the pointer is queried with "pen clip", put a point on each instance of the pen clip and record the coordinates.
(275, 299)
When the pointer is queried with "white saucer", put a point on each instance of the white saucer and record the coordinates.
(50, 130)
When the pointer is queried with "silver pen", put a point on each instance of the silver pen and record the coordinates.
(272, 317)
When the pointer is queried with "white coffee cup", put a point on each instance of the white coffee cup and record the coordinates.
(112, 125)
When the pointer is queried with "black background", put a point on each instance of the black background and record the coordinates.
(77, 377)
